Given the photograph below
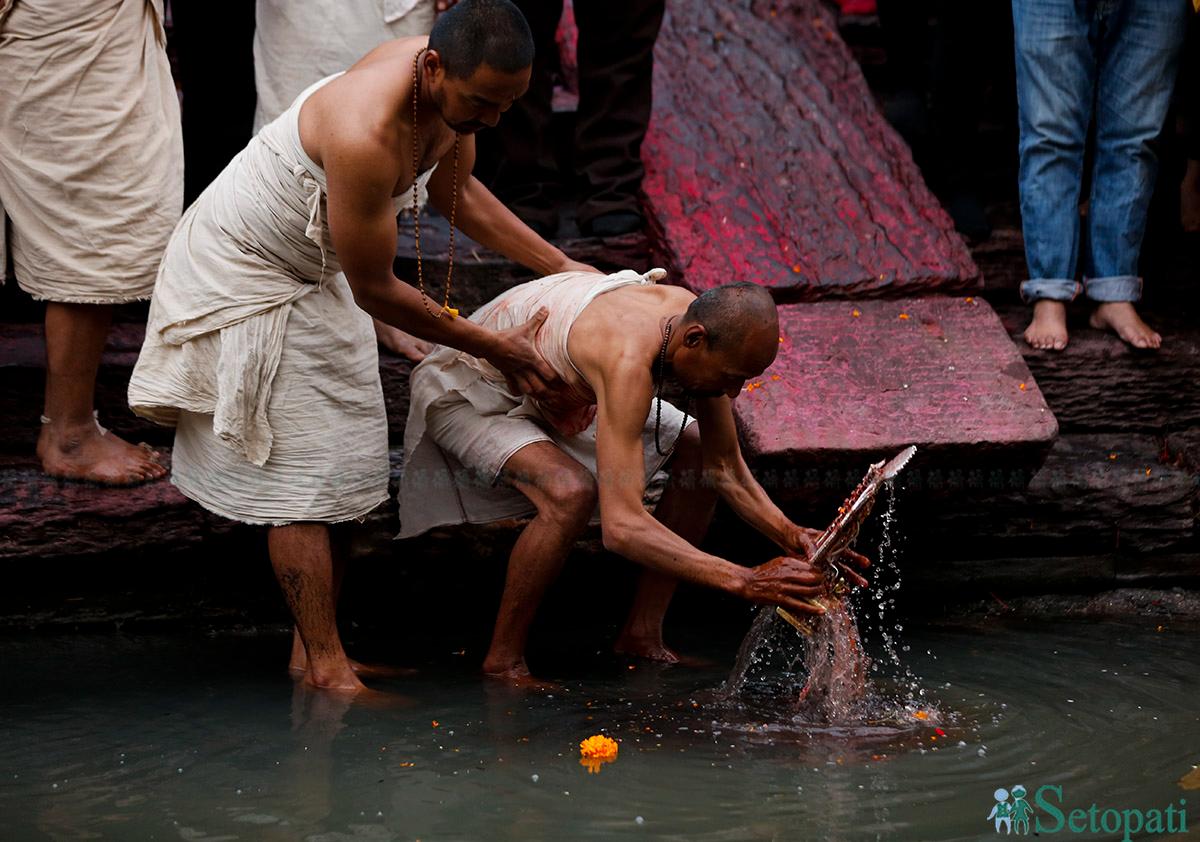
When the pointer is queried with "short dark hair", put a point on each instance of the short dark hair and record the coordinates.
(730, 313)
(475, 32)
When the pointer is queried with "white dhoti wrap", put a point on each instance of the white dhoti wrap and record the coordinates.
(297, 42)
(464, 424)
(256, 350)
(91, 153)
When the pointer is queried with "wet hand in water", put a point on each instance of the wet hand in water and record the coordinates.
(803, 542)
(786, 581)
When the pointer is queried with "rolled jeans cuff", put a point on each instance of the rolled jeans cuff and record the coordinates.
(1115, 288)
(1055, 289)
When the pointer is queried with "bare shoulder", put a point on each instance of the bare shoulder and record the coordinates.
(619, 334)
(362, 113)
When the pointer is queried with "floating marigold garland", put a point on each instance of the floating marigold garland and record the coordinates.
(597, 750)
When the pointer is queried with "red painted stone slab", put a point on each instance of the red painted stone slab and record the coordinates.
(767, 160)
(870, 377)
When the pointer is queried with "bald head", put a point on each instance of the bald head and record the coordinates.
(739, 318)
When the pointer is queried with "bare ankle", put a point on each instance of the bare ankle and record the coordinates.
(332, 676)
(505, 665)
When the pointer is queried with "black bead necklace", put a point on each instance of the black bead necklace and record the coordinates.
(662, 367)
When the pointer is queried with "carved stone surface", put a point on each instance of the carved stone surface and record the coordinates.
(767, 160)
(865, 379)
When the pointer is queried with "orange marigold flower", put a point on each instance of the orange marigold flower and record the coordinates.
(904, 316)
(856, 312)
(970, 300)
(921, 714)
(598, 747)
(1022, 387)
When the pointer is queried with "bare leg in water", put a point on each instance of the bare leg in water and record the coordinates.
(71, 445)
(339, 544)
(686, 508)
(564, 493)
(303, 560)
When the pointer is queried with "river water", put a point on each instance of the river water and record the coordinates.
(195, 737)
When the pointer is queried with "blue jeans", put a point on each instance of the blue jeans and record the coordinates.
(1115, 59)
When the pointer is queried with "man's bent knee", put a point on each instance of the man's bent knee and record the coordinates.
(569, 494)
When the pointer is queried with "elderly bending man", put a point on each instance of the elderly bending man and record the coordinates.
(260, 347)
(477, 452)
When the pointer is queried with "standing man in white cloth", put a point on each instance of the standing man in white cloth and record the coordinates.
(260, 346)
(299, 42)
(91, 183)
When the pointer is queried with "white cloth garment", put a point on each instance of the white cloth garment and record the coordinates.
(464, 424)
(255, 349)
(297, 42)
(91, 150)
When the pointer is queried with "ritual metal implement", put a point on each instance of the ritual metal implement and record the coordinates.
(838, 536)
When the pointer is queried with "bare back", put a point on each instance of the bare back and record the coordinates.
(624, 325)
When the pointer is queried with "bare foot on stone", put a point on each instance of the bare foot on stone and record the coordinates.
(400, 343)
(1122, 319)
(1048, 330)
(86, 453)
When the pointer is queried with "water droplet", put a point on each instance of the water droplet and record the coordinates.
(534, 778)
(639, 820)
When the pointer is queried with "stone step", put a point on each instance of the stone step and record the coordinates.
(1098, 495)
(43, 519)
(1100, 383)
(768, 160)
(856, 381)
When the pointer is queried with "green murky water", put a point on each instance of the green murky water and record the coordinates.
(201, 738)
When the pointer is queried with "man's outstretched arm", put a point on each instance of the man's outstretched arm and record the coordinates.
(725, 467)
(628, 529)
(485, 219)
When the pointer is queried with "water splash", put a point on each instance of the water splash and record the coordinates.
(826, 679)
